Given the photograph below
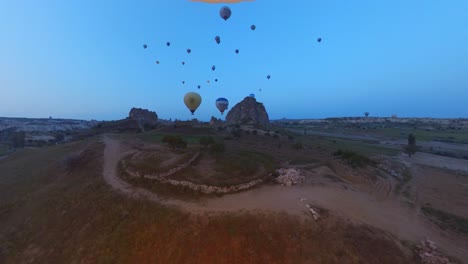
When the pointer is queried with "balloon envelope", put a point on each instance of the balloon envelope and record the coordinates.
(268, 77)
(218, 39)
(225, 12)
(213, 68)
(168, 44)
(192, 101)
(222, 104)
(319, 40)
(188, 51)
(237, 51)
(145, 46)
(253, 27)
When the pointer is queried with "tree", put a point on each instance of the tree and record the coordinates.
(366, 114)
(174, 142)
(205, 141)
(411, 148)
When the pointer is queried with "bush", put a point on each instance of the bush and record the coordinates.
(236, 133)
(217, 147)
(254, 132)
(205, 141)
(297, 146)
(174, 142)
(354, 159)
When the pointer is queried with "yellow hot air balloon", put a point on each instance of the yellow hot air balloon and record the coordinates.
(192, 101)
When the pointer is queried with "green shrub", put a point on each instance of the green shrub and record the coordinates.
(174, 142)
(354, 159)
(206, 141)
(217, 147)
(297, 146)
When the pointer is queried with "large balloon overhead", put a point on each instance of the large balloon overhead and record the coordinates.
(222, 104)
(225, 12)
(192, 101)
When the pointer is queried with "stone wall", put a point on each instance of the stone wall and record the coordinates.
(162, 178)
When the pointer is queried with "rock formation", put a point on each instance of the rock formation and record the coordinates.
(248, 111)
(215, 121)
(143, 117)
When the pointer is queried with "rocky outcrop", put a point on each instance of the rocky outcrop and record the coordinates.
(215, 121)
(143, 117)
(248, 111)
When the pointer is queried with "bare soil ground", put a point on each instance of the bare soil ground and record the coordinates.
(60, 209)
(352, 200)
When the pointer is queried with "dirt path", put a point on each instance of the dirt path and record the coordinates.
(360, 207)
(436, 161)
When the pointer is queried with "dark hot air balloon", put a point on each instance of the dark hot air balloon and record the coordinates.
(218, 39)
(157, 62)
(225, 12)
(319, 40)
(222, 104)
(183, 63)
(213, 68)
(183, 82)
(199, 86)
(168, 43)
(237, 51)
(216, 80)
(268, 77)
(253, 27)
(145, 46)
(188, 51)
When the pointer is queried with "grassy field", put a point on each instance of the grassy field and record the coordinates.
(446, 220)
(4, 149)
(55, 211)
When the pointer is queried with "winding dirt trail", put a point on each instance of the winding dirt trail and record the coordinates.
(359, 207)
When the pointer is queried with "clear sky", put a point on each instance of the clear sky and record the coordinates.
(85, 59)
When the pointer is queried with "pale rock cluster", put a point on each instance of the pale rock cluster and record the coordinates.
(428, 253)
(289, 177)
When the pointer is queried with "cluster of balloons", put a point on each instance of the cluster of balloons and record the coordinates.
(192, 99)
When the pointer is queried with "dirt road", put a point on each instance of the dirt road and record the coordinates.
(360, 207)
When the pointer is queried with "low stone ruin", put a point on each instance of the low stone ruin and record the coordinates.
(289, 177)
(428, 253)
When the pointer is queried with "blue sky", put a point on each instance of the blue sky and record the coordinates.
(84, 59)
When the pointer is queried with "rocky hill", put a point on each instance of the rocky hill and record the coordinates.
(248, 111)
(44, 124)
(144, 118)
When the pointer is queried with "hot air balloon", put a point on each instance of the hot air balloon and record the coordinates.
(192, 101)
(253, 27)
(145, 46)
(268, 77)
(319, 40)
(218, 39)
(225, 12)
(237, 51)
(213, 68)
(199, 86)
(222, 104)
(216, 80)
(157, 62)
(260, 90)
(188, 51)
(168, 43)
(183, 63)
(208, 81)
